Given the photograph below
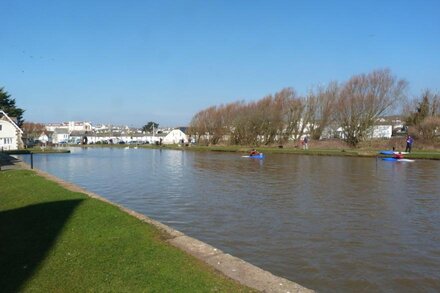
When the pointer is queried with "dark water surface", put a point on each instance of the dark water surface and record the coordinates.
(333, 224)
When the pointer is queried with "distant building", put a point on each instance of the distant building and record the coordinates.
(10, 133)
(70, 126)
(51, 126)
(60, 135)
(381, 131)
(101, 128)
(45, 137)
(175, 136)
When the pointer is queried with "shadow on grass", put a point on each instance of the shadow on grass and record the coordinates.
(6, 160)
(26, 235)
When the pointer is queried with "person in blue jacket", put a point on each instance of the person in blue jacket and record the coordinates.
(409, 143)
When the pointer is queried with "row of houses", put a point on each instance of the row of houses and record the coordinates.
(11, 136)
(63, 136)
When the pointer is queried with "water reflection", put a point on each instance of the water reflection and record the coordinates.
(330, 223)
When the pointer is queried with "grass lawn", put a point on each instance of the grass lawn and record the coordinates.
(55, 240)
(38, 150)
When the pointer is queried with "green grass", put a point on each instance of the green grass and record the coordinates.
(55, 240)
(37, 151)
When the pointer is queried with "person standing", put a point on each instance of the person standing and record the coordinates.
(306, 143)
(409, 143)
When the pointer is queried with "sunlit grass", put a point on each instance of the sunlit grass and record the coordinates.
(55, 240)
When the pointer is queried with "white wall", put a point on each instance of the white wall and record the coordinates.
(60, 137)
(8, 136)
(175, 136)
(382, 131)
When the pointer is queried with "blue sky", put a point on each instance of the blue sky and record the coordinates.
(130, 62)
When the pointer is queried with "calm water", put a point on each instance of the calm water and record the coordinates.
(333, 224)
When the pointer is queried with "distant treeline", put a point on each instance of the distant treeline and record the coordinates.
(353, 107)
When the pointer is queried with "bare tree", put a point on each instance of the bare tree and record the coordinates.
(322, 101)
(32, 130)
(363, 99)
(355, 106)
(288, 104)
(198, 126)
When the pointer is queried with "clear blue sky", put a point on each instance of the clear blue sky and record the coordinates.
(130, 62)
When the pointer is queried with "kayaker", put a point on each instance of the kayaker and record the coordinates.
(253, 153)
(398, 156)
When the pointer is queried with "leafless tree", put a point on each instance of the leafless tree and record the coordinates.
(32, 130)
(363, 99)
(321, 102)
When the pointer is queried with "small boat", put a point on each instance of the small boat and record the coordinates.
(258, 156)
(386, 152)
(392, 153)
(397, 160)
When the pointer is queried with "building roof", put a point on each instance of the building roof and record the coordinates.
(4, 116)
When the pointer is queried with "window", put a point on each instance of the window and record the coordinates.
(1, 127)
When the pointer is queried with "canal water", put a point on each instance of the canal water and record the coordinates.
(333, 224)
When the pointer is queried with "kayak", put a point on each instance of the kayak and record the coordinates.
(396, 160)
(259, 156)
(386, 152)
(392, 153)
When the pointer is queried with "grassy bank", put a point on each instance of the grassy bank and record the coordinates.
(313, 151)
(55, 240)
(38, 151)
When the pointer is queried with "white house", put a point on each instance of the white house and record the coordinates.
(10, 133)
(60, 135)
(79, 126)
(70, 126)
(381, 131)
(175, 136)
(44, 138)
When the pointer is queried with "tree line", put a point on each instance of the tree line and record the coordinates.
(350, 107)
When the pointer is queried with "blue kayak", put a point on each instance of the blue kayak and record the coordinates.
(259, 156)
(396, 160)
(392, 153)
(389, 159)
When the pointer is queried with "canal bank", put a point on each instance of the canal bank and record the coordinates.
(232, 267)
(428, 154)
